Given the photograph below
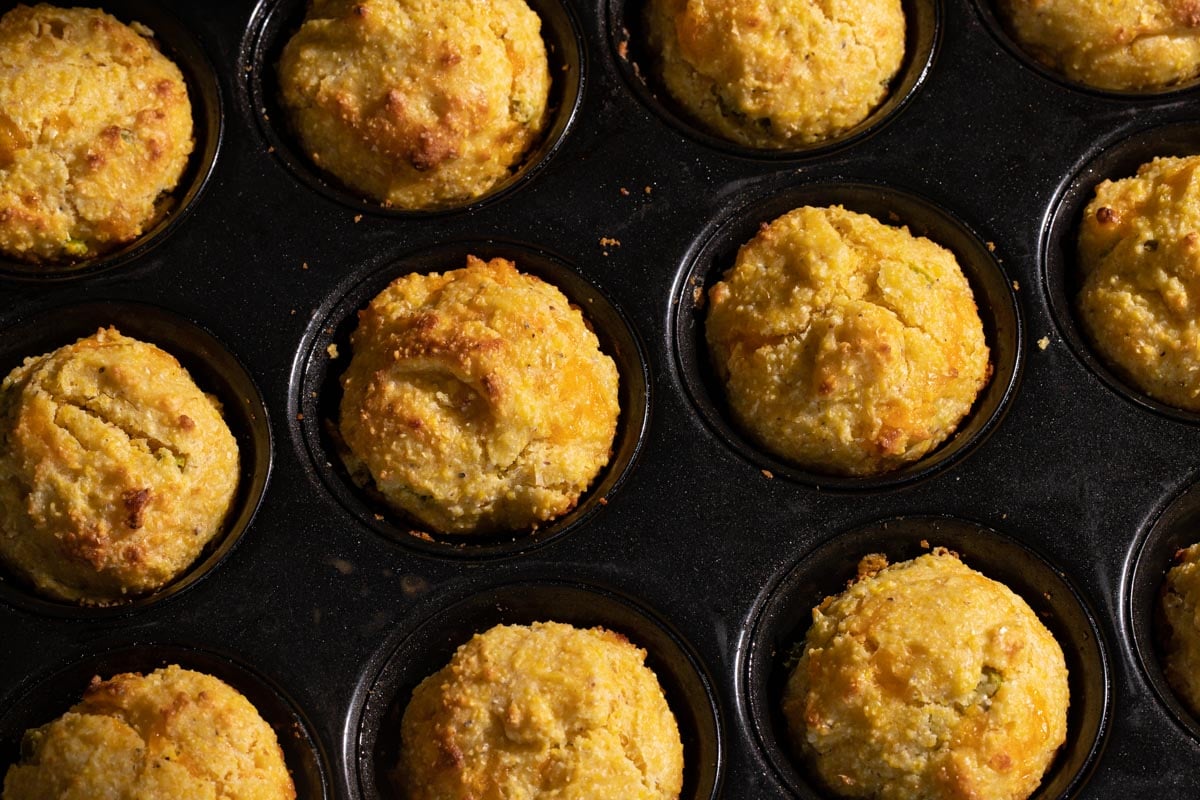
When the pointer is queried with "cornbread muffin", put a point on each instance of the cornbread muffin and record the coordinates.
(115, 470)
(926, 680)
(1139, 256)
(1181, 610)
(777, 75)
(845, 345)
(477, 400)
(95, 129)
(171, 734)
(413, 103)
(1123, 45)
(547, 711)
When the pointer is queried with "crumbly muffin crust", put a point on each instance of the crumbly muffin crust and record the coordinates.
(414, 103)
(547, 711)
(845, 345)
(172, 734)
(777, 75)
(1139, 255)
(927, 681)
(115, 469)
(1125, 45)
(95, 129)
(478, 399)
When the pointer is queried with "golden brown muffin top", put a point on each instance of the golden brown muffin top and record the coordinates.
(928, 680)
(1139, 254)
(172, 734)
(545, 710)
(478, 399)
(777, 75)
(417, 104)
(95, 126)
(1111, 44)
(115, 469)
(845, 345)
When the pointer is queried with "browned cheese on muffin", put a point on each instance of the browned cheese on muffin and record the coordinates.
(1181, 610)
(115, 469)
(845, 345)
(545, 710)
(1122, 45)
(95, 129)
(169, 735)
(777, 75)
(927, 681)
(1139, 255)
(477, 400)
(417, 104)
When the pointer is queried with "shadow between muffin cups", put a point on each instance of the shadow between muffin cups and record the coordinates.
(44, 699)
(372, 735)
(204, 92)
(1177, 527)
(317, 393)
(783, 614)
(213, 368)
(1059, 251)
(638, 66)
(275, 21)
(715, 251)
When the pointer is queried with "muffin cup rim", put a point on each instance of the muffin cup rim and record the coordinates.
(252, 59)
(202, 161)
(1058, 233)
(256, 467)
(460, 593)
(352, 294)
(914, 71)
(752, 644)
(1138, 615)
(994, 24)
(754, 201)
(184, 655)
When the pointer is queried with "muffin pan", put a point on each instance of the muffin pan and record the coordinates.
(325, 610)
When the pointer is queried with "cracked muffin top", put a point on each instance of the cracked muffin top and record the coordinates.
(95, 130)
(845, 345)
(925, 679)
(1130, 45)
(544, 710)
(115, 469)
(1139, 256)
(172, 734)
(777, 75)
(417, 104)
(477, 400)
(1180, 601)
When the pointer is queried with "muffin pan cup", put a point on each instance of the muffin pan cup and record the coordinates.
(174, 39)
(690, 537)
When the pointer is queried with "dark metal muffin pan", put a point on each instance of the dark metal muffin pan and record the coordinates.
(695, 545)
